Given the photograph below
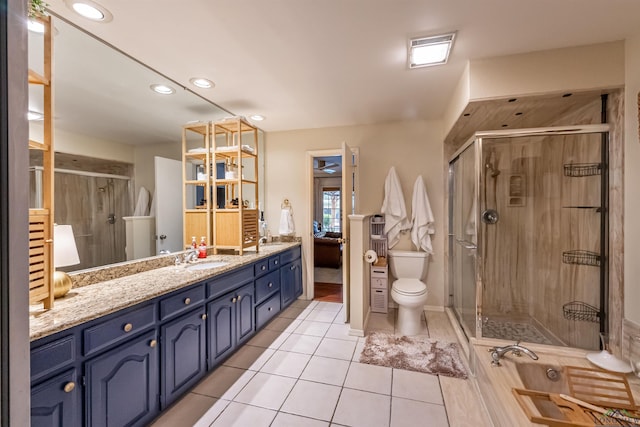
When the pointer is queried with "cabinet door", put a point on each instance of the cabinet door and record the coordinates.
(287, 283)
(297, 278)
(244, 312)
(221, 327)
(183, 354)
(122, 384)
(57, 402)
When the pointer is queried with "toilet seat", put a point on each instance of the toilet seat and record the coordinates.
(409, 287)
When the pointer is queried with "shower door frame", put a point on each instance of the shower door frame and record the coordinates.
(477, 139)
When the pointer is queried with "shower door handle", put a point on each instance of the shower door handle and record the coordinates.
(466, 244)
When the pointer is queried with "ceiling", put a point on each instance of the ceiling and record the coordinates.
(311, 64)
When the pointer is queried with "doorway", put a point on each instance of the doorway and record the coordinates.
(327, 228)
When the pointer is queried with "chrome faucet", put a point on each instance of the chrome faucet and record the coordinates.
(498, 353)
(190, 256)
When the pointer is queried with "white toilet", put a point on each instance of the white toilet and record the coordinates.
(408, 290)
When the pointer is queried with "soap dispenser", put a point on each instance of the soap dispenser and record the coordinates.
(262, 225)
(202, 249)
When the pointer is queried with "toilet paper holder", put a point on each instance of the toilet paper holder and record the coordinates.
(370, 256)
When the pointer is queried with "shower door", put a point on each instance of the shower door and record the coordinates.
(463, 238)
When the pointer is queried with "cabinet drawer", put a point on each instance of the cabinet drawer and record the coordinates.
(268, 309)
(261, 267)
(378, 283)
(290, 255)
(229, 282)
(267, 285)
(118, 328)
(274, 262)
(181, 301)
(380, 272)
(52, 356)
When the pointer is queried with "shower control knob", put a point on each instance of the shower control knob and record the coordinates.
(490, 216)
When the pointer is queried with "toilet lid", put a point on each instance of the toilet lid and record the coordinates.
(409, 287)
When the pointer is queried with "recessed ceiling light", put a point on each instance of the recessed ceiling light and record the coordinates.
(90, 10)
(162, 89)
(34, 116)
(35, 26)
(429, 51)
(257, 117)
(201, 82)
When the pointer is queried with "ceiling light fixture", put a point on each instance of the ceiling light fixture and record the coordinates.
(257, 117)
(201, 82)
(34, 116)
(429, 51)
(35, 26)
(163, 89)
(90, 10)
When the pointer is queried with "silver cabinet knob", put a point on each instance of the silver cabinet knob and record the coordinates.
(128, 327)
(187, 301)
(69, 387)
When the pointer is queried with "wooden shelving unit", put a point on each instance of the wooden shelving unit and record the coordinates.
(221, 160)
(41, 219)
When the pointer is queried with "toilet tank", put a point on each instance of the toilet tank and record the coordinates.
(408, 264)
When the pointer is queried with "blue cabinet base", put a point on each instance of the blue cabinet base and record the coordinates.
(126, 367)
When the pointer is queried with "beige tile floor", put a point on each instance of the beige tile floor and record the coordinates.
(303, 370)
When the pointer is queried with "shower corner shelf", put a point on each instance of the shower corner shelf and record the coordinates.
(581, 257)
(582, 169)
(578, 310)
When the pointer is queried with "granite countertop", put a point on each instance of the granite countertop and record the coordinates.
(86, 303)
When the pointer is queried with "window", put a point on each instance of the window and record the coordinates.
(331, 209)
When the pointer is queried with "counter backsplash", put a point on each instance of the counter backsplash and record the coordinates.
(101, 274)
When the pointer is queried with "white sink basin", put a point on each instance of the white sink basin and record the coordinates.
(206, 265)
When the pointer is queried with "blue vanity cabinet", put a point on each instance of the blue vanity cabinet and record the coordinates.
(122, 384)
(290, 276)
(290, 282)
(56, 393)
(57, 402)
(244, 313)
(297, 278)
(184, 354)
(221, 328)
(230, 322)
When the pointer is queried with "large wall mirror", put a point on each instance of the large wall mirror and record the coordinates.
(110, 129)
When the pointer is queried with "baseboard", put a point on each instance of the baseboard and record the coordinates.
(360, 332)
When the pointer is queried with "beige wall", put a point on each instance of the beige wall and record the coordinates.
(414, 148)
(549, 71)
(82, 145)
(631, 180)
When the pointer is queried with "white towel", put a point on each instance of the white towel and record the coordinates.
(142, 207)
(287, 227)
(421, 218)
(393, 208)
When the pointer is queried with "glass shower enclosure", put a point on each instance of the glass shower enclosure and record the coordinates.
(528, 233)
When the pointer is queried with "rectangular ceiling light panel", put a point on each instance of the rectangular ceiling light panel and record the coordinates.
(429, 51)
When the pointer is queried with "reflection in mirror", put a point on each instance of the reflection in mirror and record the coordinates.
(109, 126)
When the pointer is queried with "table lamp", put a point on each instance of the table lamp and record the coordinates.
(65, 253)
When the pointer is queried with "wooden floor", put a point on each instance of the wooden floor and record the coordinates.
(328, 292)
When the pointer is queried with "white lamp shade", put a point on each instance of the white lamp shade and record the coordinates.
(65, 251)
